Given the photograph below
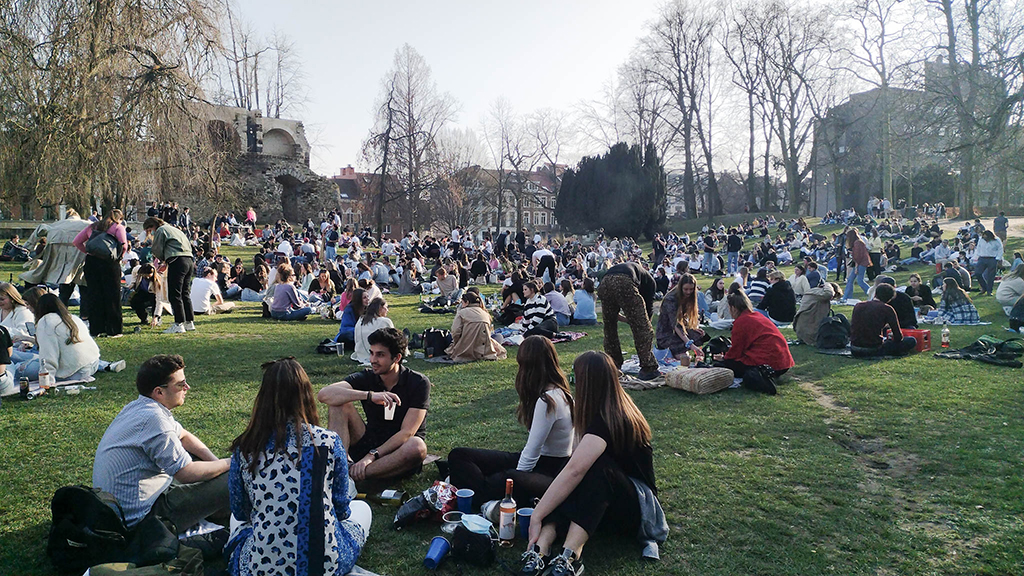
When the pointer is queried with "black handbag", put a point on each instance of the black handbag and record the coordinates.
(477, 549)
(104, 246)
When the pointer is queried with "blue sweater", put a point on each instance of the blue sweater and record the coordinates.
(348, 324)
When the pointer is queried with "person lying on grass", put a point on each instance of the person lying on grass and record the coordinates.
(395, 399)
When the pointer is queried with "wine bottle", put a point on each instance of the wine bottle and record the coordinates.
(507, 517)
(392, 498)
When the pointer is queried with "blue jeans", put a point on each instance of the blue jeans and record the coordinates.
(985, 272)
(297, 314)
(250, 295)
(857, 277)
(733, 263)
(705, 266)
(584, 321)
(330, 253)
(563, 320)
(31, 368)
(19, 356)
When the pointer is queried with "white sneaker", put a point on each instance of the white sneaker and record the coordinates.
(175, 329)
(190, 326)
(116, 366)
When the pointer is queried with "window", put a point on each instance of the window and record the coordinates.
(544, 201)
(387, 228)
(526, 218)
(551, 204)
(542, 218)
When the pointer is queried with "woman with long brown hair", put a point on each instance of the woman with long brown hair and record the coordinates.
(601, 484)
(103, 276)
(545, 408)
(679, 320)
(858, 251)
(289, 484)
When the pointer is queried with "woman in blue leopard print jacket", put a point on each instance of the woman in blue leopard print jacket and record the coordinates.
(289, 486)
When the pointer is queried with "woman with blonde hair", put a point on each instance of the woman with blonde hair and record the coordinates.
(679, 320)
(545, 409)
(14, 314)
(103, 276)
(284, 458)
(601, 485)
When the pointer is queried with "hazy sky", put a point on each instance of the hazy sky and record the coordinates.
(535, 53)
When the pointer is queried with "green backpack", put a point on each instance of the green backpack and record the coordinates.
(1012, 348)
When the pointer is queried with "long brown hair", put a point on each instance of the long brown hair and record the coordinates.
(687, 312)
(538, 369)
(49, 303)
(599, 396)
(952, 293)
(285, 397)
(851, 238)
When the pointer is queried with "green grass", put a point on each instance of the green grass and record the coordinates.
(907, 466)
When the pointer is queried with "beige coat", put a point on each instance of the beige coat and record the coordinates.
(471, 337)
(814, 307)
(60, 262)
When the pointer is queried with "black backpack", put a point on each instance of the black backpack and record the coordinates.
(435, 342)
(89, 529)
(833, 332)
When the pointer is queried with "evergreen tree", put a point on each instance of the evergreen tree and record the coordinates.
(623, 191)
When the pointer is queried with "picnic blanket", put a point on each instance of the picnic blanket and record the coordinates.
(514, 337)
(446, 359)
(630, 382)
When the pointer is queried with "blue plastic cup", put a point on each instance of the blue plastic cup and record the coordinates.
(465, 496)
(524, 515)
(439, 548)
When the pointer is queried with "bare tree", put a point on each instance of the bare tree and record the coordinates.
(459, 173)
(515, 155)
(285, 91)
(417, 115)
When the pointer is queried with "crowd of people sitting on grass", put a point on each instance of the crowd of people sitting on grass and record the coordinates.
(587, 461)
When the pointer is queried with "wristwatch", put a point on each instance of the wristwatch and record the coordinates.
(374, 453)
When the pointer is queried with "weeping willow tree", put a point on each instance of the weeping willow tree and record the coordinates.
(97, 97)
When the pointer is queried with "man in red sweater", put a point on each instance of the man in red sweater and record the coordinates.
(868, 321)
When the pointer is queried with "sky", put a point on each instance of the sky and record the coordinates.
(536, 54)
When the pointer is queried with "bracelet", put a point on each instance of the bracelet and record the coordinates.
(369, 396)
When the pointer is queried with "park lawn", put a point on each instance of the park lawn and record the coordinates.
(908, 466)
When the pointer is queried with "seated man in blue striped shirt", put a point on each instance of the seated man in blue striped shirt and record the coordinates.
(151, 464)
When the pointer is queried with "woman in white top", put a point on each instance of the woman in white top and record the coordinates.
(374, 318)
(66, 350)
(15, 315)
(545, 408)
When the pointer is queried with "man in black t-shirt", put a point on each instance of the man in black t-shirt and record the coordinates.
(395, 399)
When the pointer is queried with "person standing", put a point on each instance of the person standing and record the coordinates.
(990, 256)
(630, 289)
(103, 276)
(861, 261)
(999, 226)
(171, 246)
(733, 245)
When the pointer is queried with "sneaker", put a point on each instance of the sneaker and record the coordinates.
(115, 335)
(647, 376)
(175, 329)
(532, 563)
(562, 566)
(116, 366)
(190, 326)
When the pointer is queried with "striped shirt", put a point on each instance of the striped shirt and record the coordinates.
(138, 456)
(537, 310)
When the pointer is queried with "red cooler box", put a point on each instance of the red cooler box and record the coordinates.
(924, 338)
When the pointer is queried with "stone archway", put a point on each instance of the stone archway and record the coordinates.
(291, 196)
(277, 142)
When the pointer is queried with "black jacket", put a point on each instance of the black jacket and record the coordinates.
(779, 302)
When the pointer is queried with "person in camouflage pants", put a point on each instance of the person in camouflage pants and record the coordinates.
(624, 289)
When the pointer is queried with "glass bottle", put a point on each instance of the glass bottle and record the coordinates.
(507, 517)
(392, 498)
(945, 335)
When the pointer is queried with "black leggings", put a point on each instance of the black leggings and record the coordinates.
(739, 368)
(546, 263)
(547, 329)
(141, 300)
(605, 498)
(485, 471)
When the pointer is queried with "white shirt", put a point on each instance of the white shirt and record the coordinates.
(202, 291)
(550, 432)
(285, 247)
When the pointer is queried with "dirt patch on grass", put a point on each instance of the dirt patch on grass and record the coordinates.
(823, 399)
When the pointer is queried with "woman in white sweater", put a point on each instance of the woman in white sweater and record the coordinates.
(15, 316)
(66, 350)
(545, 408)
(374, 318)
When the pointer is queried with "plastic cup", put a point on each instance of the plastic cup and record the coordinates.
(439, 548)
(465, 496)
(524, 515)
